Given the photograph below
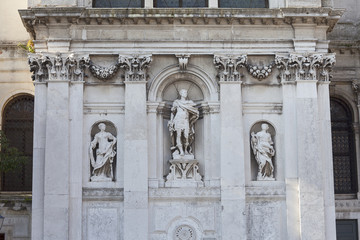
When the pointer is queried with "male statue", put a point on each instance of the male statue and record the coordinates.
(181, 126)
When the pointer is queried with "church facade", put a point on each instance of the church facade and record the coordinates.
(194, 120)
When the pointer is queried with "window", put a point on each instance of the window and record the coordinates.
(243, 3)
(18, 121)
(346, 229)
(180, 3)
(343, 145)
(2, 236)
(118, 3)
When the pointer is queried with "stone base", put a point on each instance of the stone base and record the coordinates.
(100, 179)
(184, 173)
(184, 183)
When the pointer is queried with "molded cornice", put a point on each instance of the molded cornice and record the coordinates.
(105, 16)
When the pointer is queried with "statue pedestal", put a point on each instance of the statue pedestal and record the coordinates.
(184, 173)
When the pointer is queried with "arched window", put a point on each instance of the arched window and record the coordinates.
(18, 121)
(343, 146)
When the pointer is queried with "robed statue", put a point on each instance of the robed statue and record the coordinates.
(181, 126)
(262, 146)
(102, 163)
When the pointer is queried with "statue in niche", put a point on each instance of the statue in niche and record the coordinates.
(262, 146)
(181, 126)
(104, 146)
(184, 169)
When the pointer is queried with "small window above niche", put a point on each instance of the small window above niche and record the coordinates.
(243, 3)
(180, 3)
(118, 3)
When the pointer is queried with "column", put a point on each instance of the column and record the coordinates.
(327, 160)
(135, 148)
(37, 221)
(152, 144)
(290, 149)
(233, 215)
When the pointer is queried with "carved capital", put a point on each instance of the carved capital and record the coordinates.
(356, 88)
(47, 67)
(183, 61)
(135, 67)
(305, 66)
(228, 67)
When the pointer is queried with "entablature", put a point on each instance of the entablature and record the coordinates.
(133, 16)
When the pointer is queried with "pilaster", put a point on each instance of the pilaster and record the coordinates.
(54, 193)
(232, 157)
(135, 148)
(37, 214)
(313, 143)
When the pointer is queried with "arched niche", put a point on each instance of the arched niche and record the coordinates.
(171, 93)
(172, 74)
(257, 127)
(109, 168)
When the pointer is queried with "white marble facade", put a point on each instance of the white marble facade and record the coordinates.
(240, 161)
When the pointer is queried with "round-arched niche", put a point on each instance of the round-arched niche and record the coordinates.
(171, 91)
(102, 152)
(265, 148)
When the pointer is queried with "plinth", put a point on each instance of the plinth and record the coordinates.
(184, 173)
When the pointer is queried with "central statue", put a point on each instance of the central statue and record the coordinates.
(181, 126)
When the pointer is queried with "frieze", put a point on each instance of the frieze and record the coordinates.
(47, 67)
(307, 66)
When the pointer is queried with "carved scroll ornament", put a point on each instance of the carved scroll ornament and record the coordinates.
(57, 67)
(305, 66)
(228, 67)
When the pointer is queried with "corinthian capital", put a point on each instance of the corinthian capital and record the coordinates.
(135, 67)
(228, 67)
(305, 66)
(67, 67)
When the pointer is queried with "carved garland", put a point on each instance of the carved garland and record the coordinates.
(259, 72)
(103, 73)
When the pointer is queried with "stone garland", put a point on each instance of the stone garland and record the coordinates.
(103, 73)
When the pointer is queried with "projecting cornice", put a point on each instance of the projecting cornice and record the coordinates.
(104, 16)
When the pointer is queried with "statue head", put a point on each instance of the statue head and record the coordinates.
(102, 126)
(264, 126)
(183, 93)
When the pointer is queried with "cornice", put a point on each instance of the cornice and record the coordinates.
(119, 16)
